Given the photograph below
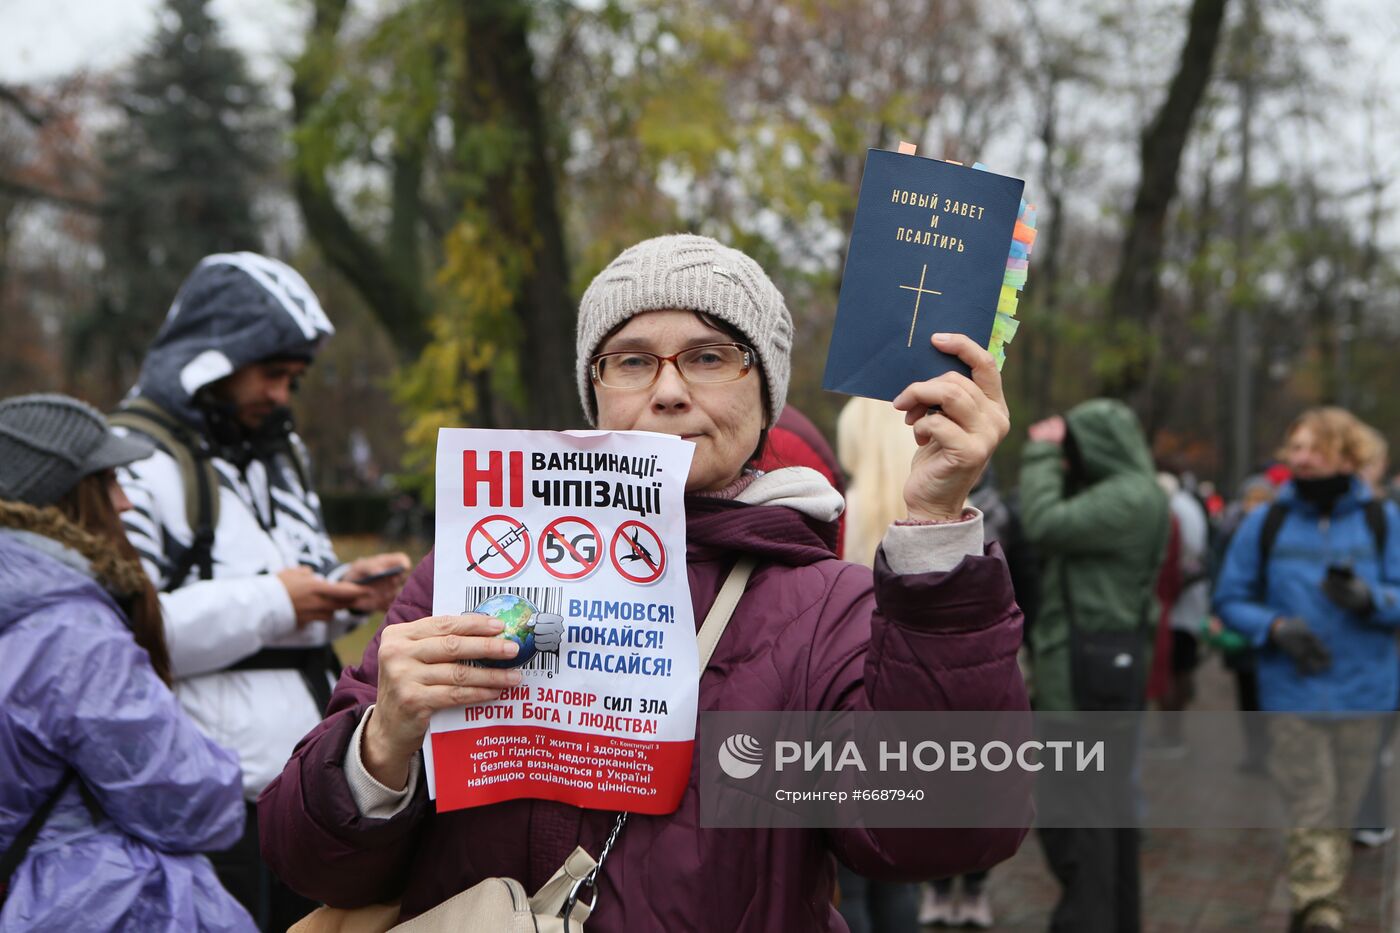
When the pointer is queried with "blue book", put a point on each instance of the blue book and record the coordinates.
(928, 254)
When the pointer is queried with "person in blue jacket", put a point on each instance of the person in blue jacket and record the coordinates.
(1313, 583)
(109, 791)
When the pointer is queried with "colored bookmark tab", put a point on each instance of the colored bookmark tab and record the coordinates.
(1014, 281)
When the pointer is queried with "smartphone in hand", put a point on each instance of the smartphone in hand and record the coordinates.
(1340, 572)
(376, 577)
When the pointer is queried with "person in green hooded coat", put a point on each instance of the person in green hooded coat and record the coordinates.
(1092, 509)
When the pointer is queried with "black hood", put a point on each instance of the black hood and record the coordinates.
(233, 310)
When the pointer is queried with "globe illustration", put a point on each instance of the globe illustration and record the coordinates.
(518, 616)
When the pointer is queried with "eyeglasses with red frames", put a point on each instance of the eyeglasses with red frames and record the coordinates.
(637, 369)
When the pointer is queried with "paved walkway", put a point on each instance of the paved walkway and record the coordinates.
(1205, 880)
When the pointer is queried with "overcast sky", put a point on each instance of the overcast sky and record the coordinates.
(41, 39)
(45, 39)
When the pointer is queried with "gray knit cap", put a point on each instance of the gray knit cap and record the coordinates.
(50, 442)
(689, 273)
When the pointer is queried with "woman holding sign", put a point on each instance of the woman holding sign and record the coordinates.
(681, 335)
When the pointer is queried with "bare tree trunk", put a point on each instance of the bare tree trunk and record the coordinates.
(1047, 280)
(9, 316)
(386, 277)
(1362, 291)
(1243, 333)
(1133, 299)
(519, 196)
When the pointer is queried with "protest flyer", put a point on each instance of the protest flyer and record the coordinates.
(576, 541)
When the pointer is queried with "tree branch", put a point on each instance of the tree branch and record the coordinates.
(24, 108)
(389, 291)
(25, 192)
(500, 91)
(1134, 295)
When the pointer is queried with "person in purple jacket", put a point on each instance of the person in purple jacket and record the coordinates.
(108, 790)
(682, 335)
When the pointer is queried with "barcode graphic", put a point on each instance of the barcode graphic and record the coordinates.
(543, 598)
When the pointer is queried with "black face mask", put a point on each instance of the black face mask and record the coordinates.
(237, 444)
(1324, 492)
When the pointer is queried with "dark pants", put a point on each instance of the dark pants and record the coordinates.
(1256, 737)
(972, 884)
(877, 906)
(1100, 890)
(241, 870)
(1374, 813)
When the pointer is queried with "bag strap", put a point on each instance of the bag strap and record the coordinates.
(197, 472)
(1374, 510)
(1273, 522)
(1375, 519)
(19, 848)
(589, 880)
(716, 620)
(718, 617)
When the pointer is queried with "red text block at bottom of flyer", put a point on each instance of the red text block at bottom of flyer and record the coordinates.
(481, 766)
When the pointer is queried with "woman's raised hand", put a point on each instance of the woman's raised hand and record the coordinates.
(420, 673)
(957, 423)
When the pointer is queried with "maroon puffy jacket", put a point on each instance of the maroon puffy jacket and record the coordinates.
(811, 632)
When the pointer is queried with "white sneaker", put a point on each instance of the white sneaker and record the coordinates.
(1374, 837)
(935, 908)
(974, 911)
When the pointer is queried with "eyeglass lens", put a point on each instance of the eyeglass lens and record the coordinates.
(633, 369)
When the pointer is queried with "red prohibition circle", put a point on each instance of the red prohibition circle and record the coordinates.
(551, 531)
(494, 549)
(654, 564)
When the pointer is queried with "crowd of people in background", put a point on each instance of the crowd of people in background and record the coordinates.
(1291, 584)
(169, 593)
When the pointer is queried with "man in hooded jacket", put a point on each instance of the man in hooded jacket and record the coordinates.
(249, 616)
(1093, 510)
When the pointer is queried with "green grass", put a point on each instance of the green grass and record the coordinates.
(351, 647)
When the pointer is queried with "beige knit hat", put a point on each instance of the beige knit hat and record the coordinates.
(689, 273)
